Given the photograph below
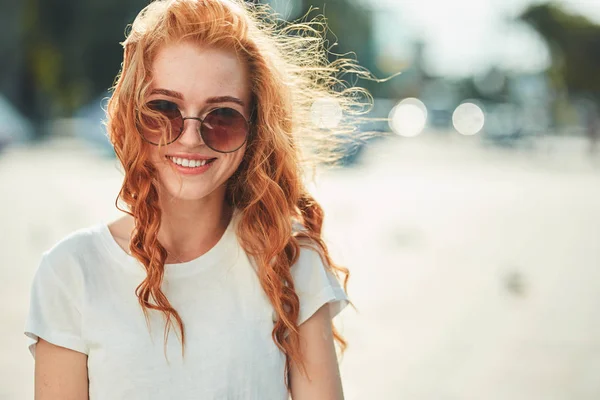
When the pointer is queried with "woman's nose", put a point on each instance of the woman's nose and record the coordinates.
(191, 133)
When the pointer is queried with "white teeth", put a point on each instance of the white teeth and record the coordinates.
(188, 163)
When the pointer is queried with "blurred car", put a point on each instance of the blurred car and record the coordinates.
(14, 128)
(351, 148)
(89, 121)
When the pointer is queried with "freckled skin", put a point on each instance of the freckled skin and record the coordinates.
(198, 73)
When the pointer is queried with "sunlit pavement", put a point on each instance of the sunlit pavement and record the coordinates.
(475, 270)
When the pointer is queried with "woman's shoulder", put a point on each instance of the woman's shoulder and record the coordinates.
(70, 254)
(76, 241)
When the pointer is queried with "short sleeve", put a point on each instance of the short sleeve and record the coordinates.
(53, 314)
(316, 286)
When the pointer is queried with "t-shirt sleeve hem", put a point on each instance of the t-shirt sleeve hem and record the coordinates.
(56, 338)
(334, 296)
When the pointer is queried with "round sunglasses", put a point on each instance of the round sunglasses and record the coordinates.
(223, 129)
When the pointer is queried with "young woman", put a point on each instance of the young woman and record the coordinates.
(216, 284)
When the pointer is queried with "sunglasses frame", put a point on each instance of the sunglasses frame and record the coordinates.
(199, 129)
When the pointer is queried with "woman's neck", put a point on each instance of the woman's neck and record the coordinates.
(191, 228)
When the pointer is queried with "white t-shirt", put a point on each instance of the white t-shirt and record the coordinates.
(83, 298)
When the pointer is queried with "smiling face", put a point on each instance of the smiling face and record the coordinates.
(196, 80)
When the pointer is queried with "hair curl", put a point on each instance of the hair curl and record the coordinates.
(290, 74)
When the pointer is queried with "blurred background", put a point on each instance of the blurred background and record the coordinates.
(472, 231)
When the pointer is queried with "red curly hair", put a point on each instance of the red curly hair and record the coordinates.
(288, 71)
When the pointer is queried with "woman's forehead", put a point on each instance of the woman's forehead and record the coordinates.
(200, 72)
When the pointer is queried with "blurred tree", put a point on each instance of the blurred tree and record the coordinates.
(574, 43)
(62, 53)
(11, 50)
(85, 37)
(350, 30)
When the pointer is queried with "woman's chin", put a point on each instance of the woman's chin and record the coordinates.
(188, 195)
(187, 192)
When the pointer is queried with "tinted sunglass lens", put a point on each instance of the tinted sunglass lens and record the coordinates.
(224, 130)
(158, 132)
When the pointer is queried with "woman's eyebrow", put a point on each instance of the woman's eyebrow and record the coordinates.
(167, 92)
(225, 99)
(210, 100)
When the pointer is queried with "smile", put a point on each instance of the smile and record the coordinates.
(184, 162)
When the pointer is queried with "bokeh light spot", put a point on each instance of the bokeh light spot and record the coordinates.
(408, 117)
(468, 119)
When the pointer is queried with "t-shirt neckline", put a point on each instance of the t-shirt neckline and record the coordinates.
(215, 256)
